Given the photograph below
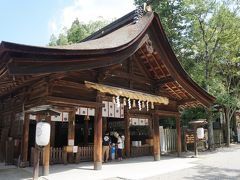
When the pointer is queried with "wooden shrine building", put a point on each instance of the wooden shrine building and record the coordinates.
(122, 78)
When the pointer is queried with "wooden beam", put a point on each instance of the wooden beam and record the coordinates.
(164, 113)
(131, 77)
(75, 102)
(164, 80)
(72, 85)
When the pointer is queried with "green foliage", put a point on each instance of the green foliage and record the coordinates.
(193, 114)
(77, 32)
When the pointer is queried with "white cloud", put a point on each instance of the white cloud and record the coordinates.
(52, 26)
(86, 10)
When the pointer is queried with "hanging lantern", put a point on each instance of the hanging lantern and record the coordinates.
(129, 103)
(152, 105)
(118, 101)
(200, 133)
(147, 106)
(124, 102)
(139, 105)
(134, 103)
(42, 133)
(113, 100)
(143, 104)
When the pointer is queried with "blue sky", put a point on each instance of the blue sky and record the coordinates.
(33, 21)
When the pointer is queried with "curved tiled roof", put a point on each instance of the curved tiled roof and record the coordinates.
(111, 45)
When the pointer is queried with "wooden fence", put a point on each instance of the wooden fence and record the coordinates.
(85, 153)
(141, 151)
(168, 138)
(58, 156)
(218, 136)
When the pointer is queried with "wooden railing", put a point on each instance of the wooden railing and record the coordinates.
(141, 151)
(58, 156)
(85, 153)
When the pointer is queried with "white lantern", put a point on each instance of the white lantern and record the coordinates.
(42, 133)
(200, 133)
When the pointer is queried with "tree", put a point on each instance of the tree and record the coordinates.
(53, 40)
(228, 66)
(205, 37)
(77, 32)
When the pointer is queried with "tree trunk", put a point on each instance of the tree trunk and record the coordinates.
(227, 127)
(211, 144)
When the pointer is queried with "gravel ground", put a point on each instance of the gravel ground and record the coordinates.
(221, 164)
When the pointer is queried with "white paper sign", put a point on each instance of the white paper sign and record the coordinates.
(135, 121)
(91, 112)
(71, 142)
(78, 111)
(83, 111)
(75, 149)
(105, 109)
(56, 118)
(111, 110)
(117, 111)
(32, 117)
(141, 122)
(146, 122)
(65, 117)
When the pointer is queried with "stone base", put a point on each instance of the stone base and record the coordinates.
(157, 157)
(45, 170)
(97, 165)
(21, 164)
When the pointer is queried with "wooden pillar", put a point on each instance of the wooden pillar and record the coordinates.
(71, 131)
(195, 141)
(104, 124)
(36, 163)
(25, 137)
(46, 153)
(71, 125)
(52, 138)
(98, 139)
(86, 127)
(156, 138)
(127, 132)
(179, 136)
(36, 156)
